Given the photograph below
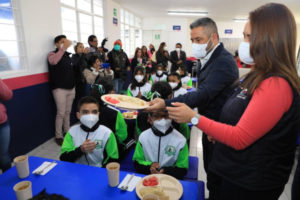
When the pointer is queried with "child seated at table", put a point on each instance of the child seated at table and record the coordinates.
(185, 79)
(162, 90)
(110, 116)
(89, 142)
(159, 75)
(139, 87)
(175, 82)
(161, 149)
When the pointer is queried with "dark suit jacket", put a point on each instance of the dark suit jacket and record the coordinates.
(215, 84)
(174, 59)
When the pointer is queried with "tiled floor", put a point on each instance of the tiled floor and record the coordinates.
(51, 150)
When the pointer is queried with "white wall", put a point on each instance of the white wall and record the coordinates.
(41, 23)
(112, 31)
(164, 27)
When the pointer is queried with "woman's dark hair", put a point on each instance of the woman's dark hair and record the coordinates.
(76, 46)
(136, 52)
(58, 38)
(162, 88)
(92, 60)
(144, 54)
(272, 46)
(183, 68)
(87, 100)
(134, 83)
(161, 48)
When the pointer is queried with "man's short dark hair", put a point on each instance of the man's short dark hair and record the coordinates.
(178, 44)
(208, 24)
(174, 74)
(91, 38)
(87, 100)
(58, 38)
(163, 88)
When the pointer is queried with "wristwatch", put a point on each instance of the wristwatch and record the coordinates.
(195, 120)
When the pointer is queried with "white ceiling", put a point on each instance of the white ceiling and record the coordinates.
(219, 10)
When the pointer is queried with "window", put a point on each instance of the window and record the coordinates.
(82, 18)
(12, 51)
(131, 32)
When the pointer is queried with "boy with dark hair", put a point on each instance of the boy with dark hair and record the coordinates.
(185, 79)
(89, 142)
(161, 149)
(160, 90)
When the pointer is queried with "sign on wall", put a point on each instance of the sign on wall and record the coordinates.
(115, 21)
(115, 12)
(176, 28)
(228, 31)
(157, 36)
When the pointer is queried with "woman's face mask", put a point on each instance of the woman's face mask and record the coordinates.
(139, 78)
(244, 53)
(117, 47)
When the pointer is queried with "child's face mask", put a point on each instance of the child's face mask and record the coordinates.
(159, 72)
(163, 124)
(89, 120)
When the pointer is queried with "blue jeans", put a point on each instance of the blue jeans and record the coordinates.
(5, 162)
(118, 84)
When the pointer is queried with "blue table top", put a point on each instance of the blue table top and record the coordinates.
(76, 181)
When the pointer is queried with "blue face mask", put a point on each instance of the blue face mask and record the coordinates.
(117, 47)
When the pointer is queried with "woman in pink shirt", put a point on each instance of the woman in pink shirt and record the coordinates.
(256, 134)
(5, 94)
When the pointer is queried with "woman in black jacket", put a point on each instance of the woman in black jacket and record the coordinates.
(162, 55)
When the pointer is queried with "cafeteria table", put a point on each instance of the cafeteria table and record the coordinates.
(76, 181)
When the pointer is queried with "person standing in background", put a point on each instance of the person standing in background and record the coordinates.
(120, 64)
(62, 83)
(162, 55)
(5, 95)
(177, 57)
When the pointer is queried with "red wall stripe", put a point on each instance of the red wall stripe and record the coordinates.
(26, 81)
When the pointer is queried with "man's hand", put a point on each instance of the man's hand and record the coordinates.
(88, 146)
(179, 61)
(154, 168)
(128, 68)
(181, 113)
(67, 43)
(117, 68)
(156, 105)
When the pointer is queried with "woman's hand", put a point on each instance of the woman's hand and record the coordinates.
(181, 113)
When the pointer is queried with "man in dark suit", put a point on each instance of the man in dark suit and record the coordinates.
(217, 71)
(177, 57)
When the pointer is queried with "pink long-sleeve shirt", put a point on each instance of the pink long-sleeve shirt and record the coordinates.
(5, 94)
(54, 58)
(269, 102)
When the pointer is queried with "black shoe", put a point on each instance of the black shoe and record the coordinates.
(59, 141)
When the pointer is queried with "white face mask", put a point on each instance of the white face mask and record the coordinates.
(173, 84)
(177, 49)
(199, 50)
(89, 120)
(139, 78)
(159, 72)
(166, 48)
(244, 53)
(162, 125)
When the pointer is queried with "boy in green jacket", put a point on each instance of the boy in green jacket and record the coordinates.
(89, 142)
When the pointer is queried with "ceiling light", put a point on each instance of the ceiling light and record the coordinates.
(187, 13)
(240, 20)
